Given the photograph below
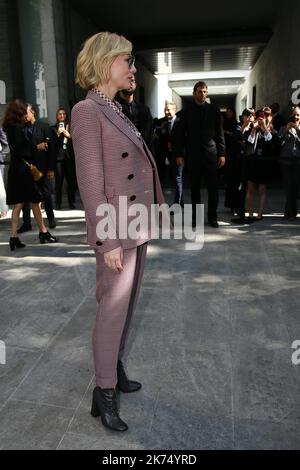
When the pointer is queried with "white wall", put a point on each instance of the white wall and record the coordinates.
(2, 92)
(278, 66)
(157, 91)
(177, 99)
(147, 80)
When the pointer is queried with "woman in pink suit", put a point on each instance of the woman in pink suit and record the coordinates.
(112, 160)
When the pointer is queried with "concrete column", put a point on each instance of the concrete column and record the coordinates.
(48, 42)
(39, 55)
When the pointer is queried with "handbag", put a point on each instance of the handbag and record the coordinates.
(35, 172)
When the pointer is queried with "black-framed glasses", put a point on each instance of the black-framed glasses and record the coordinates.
(131, 60)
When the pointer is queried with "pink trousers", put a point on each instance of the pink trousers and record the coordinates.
(117, 295)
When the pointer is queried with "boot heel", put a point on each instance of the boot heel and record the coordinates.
(95, 411)
(14, 242)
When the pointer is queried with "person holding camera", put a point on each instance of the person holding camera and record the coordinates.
(289, 137)
(21, 187)
(65, 162)
(260, 144)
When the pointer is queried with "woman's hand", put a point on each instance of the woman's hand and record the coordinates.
(290, 125)
(114, 259)
(66, 133)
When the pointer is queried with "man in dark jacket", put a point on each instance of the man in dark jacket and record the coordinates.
(199, 138)
(138, 113)
(41, 137)
(278, 120)
(163, 150)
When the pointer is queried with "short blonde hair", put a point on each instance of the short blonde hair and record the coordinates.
(97, 56)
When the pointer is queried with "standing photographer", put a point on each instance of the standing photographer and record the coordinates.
(65, 162)
(289, 137)
(260, 143)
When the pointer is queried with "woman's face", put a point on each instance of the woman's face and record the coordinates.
(61, 115)
(122, 71)
(30, 116)
(296, 115)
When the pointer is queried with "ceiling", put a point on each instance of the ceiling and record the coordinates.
(148, 18)
(175, 37)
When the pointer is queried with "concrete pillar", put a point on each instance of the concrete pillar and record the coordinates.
(39, 55)
(48, 43)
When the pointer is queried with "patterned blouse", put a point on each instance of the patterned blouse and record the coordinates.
(118, 108)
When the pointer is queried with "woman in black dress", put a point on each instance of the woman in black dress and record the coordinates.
(65, 161)
(261, 143)
(21, 187)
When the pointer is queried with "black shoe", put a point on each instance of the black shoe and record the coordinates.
(24, 228)
(47, 238)
(58, 207)
(125, 385)
(52, 223)
(105, 405)
(72, 207)
(213, 223)
(14, 242)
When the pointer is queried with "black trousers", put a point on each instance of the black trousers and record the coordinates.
(233, 181)
(291, 182)
(44, 186)
(65, 169)
(206, 168)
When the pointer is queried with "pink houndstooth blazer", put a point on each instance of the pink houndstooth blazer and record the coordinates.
(110, 162)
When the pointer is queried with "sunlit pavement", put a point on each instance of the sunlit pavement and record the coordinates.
(210, 341)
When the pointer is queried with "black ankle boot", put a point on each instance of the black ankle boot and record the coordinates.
(15, 242)
(105, 405)
(47, 238)
(125, 385)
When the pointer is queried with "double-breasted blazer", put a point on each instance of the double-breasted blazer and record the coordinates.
(111, 161)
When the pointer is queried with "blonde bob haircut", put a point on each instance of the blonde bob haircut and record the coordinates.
(97, 56)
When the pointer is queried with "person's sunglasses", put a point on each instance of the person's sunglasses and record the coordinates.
(131, 61)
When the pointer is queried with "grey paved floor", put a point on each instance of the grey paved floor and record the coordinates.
(211, 342)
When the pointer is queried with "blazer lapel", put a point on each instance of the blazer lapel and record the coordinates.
(115, 119)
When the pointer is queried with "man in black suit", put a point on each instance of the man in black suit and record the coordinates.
(138, 113)
(198, 137)
(163, 149)
(278, 120)
(40, 135)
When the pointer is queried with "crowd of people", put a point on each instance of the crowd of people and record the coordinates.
(113, 143)
(256, 147)
(199, 142)
(194, 143)
(37, 155)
